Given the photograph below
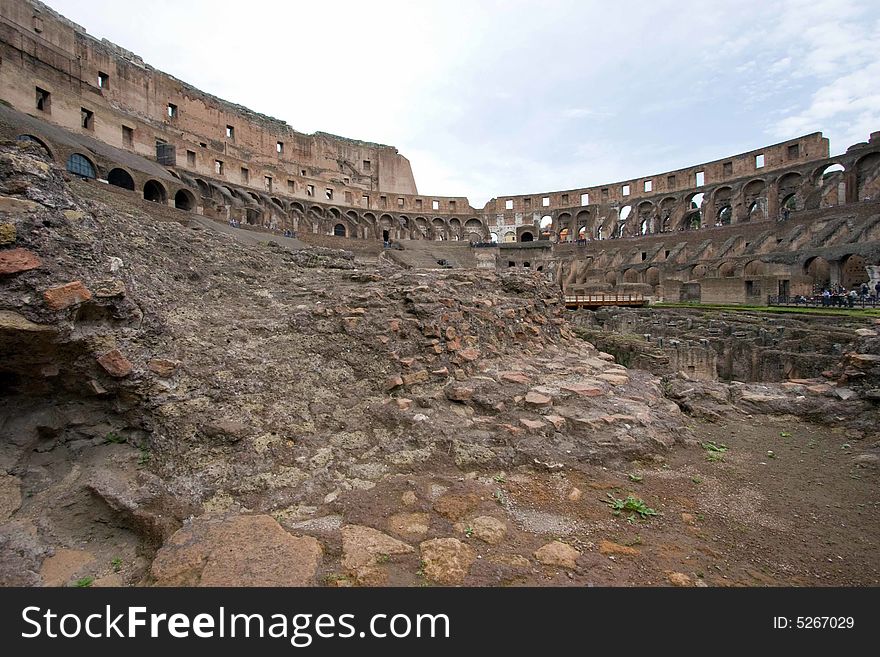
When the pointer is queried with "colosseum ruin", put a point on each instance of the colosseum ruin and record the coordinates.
(215, 326)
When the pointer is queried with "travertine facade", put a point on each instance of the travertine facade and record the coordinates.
(710, 231)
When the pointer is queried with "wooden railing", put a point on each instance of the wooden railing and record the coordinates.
(605, 300)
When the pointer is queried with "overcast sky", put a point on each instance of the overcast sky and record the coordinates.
(490, 98)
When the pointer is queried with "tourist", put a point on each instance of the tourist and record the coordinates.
(851, 297)
(826, 297)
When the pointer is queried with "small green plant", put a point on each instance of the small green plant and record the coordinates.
(712, 446)
(84, 582)
(382, 558)
(499, 479)
(469, 532)
(784, 434)
(117, 564)
(499, 496)
(632, 504)
(697, 480)
(636, 478)
(114, 438)
(144, 457)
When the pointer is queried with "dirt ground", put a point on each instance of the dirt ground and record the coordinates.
(788, 503)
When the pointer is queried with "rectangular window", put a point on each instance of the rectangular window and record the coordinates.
(302, 172)
(400, 202)
(328, 193)
(310, 190)
(435, 205)
(604, 192)
(291, 187)
(367, 165)
(202, 144)
(585, 199)
(759, 161)
(127, 136)
(565, 199)
(670, 182)
(508, 204)
(172, 111)
(38, 24)
(700, 178)
(383, 201)
(418, 204)
(191, 159)
(452, 206)
(44, 101)
(545, 201)
(625, 190)
(348, 198)
(527, 203)
(103, 80)
(86, 118)
(365, 201)
(279, 147)
(218, 167)
(230, 133)
(727, 169)
(245, 175)
(649, 186)
(267, 182)
(793, 152)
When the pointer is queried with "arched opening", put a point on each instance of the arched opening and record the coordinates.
(582, 234)
(154, 191)
(789, 203)
(725, 216)
(819, 271)
(439, 228)
(475, 231)
(830, 170)
(204, 188)
(621, 221)
(494, 238)
(727, 270)
(853, 272)
(755, 268)
(652, 276)
(510, 236)
(527, 264)
(36, 140)
(693, 218)
(252, 216)
(699, 271)
(545, 226)
(526, 237)
(868, 177)
(121, 178)
(80, 165)
(184, 200)
(630, 276)
(339, 230)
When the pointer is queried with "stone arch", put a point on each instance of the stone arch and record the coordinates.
(526, 236)
(119, 177)
(645, 212)
(204, 188)
(421, 228)
(455, 228)
(818, 269)
(727, 269)
(724, 216)
(545, 226)
(185, 200)
(155, 191)
(79, 165)
(438, 227)
(339, 230)
(667, 209)
(622, 217)
(39, 142)
(509, 236)
(631, 276)
(699, 271)
(788, 187)
(652, 276)
(611, 278)
(277, 201)
(755, 268)
(852, 271)
(474, 229)
(867, 170)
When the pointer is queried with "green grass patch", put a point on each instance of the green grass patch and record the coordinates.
(632, 504)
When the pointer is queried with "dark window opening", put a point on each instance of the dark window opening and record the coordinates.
(644, 256)
(291, 186)
(328, 193)
(245, 175)
(121, 178)
(527, 264)
(728, 168)
(452, 206)
(172, 111)
(565, 198)
(44, 101)
(605, 192)
(127, 136)
(670, 182)
(230, 133)
(267, 182)
(367, 165)
(418, 204)
(527, 203)
(86, 119)
(184, 200)
(526, 237)
(666, 254)
(793, 152)
(310, 190)
(218, 167)
(348, 198)
(339, 230)
(154, 192)
(383, 201)
(103, 80)
(511, 263)
(279, 147)
(191, 159)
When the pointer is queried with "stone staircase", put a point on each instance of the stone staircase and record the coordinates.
(424, 254)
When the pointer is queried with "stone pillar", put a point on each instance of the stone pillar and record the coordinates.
(834, 271)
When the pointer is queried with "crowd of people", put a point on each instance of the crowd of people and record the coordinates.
(837, 295)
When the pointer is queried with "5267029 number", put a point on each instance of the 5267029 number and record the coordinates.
(823, 622)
